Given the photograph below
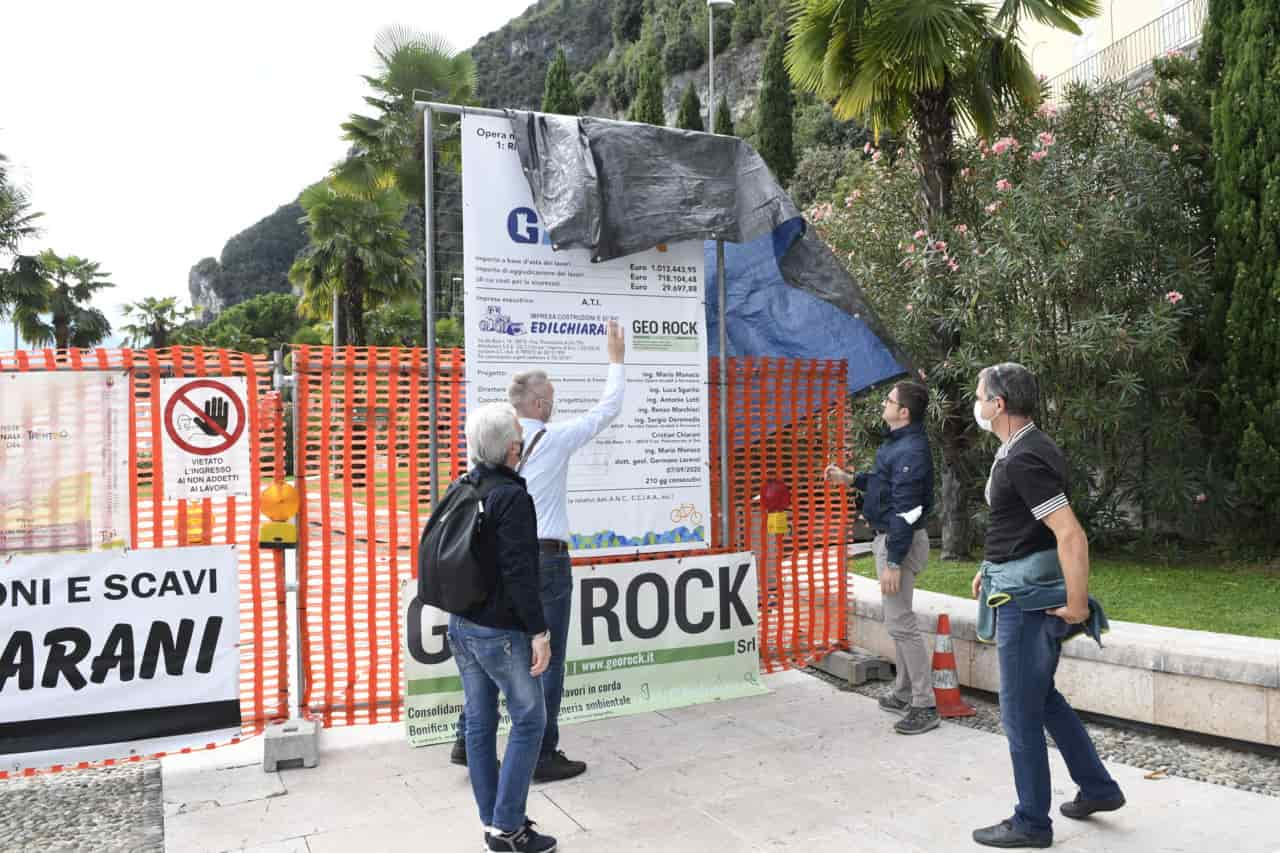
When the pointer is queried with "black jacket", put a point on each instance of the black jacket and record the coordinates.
(901, 481)
(509, 541)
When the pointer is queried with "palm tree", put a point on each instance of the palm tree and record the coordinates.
(21, 288)
(17, 220)
(411, 66)
(358, 253)
(66, 287)
(19, 285)
(932, 66)
(157, 320)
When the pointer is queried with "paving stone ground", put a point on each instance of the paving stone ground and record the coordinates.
(807, 767)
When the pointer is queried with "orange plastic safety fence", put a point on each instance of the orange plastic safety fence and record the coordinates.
(158, 522)
(362, 467)
(787, 422)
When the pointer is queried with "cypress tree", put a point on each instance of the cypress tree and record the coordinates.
(775, 137)
(690, 116)
(647, 107)
(1245, 60)
(558, 95)
(724, 119)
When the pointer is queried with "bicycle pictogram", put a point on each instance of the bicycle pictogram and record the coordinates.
(686, 511)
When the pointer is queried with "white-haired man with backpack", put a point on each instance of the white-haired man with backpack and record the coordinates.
(502, 644)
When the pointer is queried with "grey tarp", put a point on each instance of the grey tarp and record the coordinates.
(616, 187)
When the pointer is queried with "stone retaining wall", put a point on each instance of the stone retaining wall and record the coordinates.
(1218, 684)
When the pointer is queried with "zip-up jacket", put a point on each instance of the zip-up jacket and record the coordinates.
(901, 481)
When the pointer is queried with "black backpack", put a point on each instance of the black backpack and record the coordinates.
(451, 573)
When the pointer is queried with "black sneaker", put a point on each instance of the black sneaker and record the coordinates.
(1080, 808)
(554, 767)
(917, 721)
(459, 754)
(523, 840)
(894, 705)
(1003, 834)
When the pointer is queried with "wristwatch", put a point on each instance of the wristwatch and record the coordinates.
(893, 566)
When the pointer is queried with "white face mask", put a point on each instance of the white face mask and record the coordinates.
(977, 416)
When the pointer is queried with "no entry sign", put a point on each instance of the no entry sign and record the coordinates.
(205, 437)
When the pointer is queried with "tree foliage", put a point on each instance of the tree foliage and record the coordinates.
(724, 118)
(647, 107)
(358, 253)
(411, 66)
(558, 94)
(933, 67)
(1244, 65)
(156, 320)
(690, 115)
(17, 219)
(61, 312)
(1073, 251)
(775, 137)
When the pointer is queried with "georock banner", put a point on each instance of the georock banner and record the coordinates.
(642, 485)
(642, 637)
(115, 654)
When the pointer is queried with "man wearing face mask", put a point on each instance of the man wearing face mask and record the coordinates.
(545, 467)
(1034, 581)
(898, 497)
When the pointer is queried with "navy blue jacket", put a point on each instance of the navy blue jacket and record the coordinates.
(901, 481)
(509, 540)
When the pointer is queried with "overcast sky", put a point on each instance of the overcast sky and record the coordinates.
(150, 132)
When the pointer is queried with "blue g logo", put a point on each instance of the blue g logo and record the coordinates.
(522, 225)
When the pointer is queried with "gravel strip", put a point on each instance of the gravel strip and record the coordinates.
(116, 808)
(1192, 757)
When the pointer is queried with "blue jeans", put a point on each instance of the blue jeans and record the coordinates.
(492, 660)
(1029, 643)
(556, 584)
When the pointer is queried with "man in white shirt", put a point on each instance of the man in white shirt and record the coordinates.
(545, 468)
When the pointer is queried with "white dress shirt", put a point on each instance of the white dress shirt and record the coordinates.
(546, 471)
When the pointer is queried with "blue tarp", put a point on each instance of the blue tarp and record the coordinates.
(768, 317)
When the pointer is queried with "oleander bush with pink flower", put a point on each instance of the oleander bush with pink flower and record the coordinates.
(1075, 246)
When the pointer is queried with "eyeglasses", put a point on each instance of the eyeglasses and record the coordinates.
(891, 400)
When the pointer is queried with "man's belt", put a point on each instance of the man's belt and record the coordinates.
(552, 546)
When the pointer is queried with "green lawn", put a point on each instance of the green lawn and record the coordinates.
(1203, 594)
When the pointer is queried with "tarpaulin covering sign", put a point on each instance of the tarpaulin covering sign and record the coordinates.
(639, 485)
(616, 188)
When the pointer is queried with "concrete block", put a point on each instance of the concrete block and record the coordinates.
(985, 669)
(964, 659)
(1273, 717)
(1210, 706)
(867, 667)
(1118, 691)
(291, 740)
(837, 665)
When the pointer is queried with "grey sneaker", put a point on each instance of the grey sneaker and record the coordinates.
(917, 721)
(894, 705)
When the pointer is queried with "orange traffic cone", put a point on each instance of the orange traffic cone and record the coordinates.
(946, 685)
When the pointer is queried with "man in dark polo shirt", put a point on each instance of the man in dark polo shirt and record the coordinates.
(898, 497)
(1033, 534)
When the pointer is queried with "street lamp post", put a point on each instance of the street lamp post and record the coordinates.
(711, 60)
